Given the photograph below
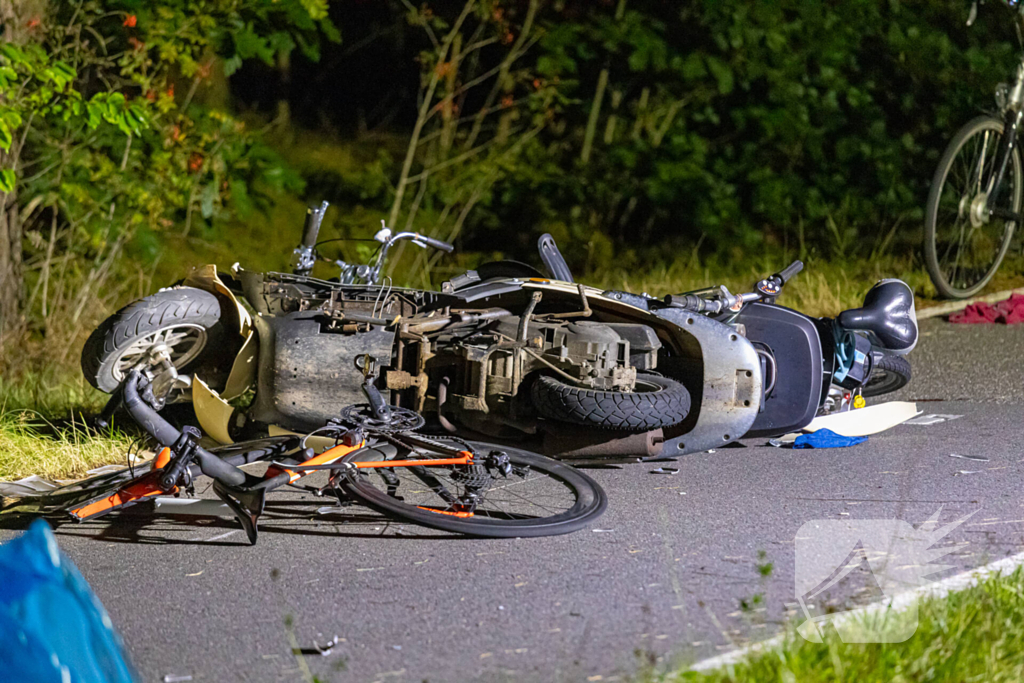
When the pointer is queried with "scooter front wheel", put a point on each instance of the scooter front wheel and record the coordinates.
(184, 321)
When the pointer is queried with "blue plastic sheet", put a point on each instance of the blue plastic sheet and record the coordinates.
(826, 438)
(52, 626)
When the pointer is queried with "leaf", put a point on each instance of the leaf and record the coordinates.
(232, 64)
(5, 136)
(722, 73)
(317, 8)
(7, 74)
(7, 179)
(207, 198)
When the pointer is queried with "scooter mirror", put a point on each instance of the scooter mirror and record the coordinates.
(384, 234)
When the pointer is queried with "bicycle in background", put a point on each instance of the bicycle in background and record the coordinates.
(974, 204)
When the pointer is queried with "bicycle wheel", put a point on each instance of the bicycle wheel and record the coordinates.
(963, 244)
(537, 496)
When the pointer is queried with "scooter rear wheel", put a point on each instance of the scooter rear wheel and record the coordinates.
(889, 373)
(656, 402)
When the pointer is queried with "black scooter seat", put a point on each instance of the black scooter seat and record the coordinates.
(888, 314)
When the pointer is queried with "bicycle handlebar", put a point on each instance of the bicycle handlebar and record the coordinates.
(169, 436)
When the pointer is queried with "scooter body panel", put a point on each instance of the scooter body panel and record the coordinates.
(723, 373)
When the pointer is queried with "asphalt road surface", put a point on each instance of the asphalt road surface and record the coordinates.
(680, 568)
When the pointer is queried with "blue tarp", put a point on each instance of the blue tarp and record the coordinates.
(52, 626)
(826, 438)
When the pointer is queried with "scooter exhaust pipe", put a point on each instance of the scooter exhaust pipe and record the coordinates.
(571, 443)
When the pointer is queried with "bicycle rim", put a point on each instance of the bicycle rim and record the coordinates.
(964, 248)
(539, 497)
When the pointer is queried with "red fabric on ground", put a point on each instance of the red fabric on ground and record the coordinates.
(1011, 310)
(1008, 312)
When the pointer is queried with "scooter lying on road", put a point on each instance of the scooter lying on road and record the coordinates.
(503, 351)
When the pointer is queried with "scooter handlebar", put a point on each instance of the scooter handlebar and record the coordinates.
(790, 271)
(435, 243)
(311, 230)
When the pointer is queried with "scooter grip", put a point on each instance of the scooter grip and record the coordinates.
(435, 243)
(791, 270)
(311, 230)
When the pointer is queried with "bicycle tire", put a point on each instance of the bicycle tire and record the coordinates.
(889, 373)
(936, 272)
(590, 499)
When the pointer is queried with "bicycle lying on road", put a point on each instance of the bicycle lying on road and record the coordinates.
(974, 204)
(372, 455)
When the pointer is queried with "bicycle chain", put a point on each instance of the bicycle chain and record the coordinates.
(435, 441)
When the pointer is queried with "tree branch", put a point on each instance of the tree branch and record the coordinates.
(421, 119)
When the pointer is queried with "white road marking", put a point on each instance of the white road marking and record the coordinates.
(215, 538)
(897, 603)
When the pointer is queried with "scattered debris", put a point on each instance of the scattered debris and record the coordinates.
(977, 458)
(23, 488)
(105, 469)
(501, 607)
(777, 443)
(826, 438)
(862, 422)
(174, 678)
(317, 649)
(664, 470)
(962, 472)
(197, 573)
(603, 531)
(931, 419)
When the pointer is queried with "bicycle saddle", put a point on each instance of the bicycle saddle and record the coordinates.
(888, 314)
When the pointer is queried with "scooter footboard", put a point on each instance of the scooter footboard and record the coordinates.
(802, 350)
(722, 371)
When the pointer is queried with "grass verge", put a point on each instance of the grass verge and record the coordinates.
(30, 444)
(970, 635)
